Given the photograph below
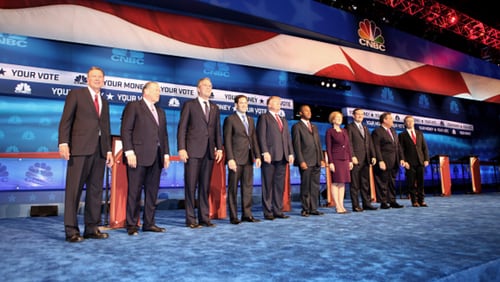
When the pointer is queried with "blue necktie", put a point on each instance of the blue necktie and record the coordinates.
(245, 122)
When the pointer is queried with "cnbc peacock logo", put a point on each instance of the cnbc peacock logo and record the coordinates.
(370, 35)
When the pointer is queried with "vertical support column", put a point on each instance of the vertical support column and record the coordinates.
(373, 191)
(217, 193)
(119, 187)
(328, 175)
(287, 191)
(444, 175)
(475, 174)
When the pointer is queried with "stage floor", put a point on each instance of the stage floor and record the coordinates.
(455, 239)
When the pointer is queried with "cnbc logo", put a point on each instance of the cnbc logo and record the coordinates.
(370, 35)
(13, 40)
(127, 56)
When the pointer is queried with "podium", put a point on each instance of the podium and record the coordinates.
(470, 167)
(217, 193)
(373, 191)
(287, 191)
(441, 164)
(119, 188)
(328, 176)
(475, 173)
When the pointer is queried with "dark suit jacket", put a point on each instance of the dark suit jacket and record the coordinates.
(361, 148)
(386, 149)
(139, 132)
(237, 143)
(271, 140)
(80, 125)
(194, 134)
(306, 145)
(414, 154)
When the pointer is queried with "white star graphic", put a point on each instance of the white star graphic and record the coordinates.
(52, 196)
(12, 199)
(109, 96)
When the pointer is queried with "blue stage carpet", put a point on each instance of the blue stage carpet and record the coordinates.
(457, 238)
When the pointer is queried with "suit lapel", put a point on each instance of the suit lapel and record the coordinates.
(148, 112)
(90, 102)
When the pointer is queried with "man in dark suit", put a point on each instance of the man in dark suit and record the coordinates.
(242, 148)
(145, 145)
(199, 142)
(85, 142)
(363, 155)
(416, 156)
(309, 158)
(390, 157)
(276, 146)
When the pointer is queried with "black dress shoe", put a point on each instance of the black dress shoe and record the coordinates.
(282, 215)
(193, 225)
(208, 224)
(153, 228)
(250, 219)
(96, 235)
(235, 221)
(423, 204)
(370, 208)
(269, 217)
(396, 205)
(74, 238)
(132, 231)
(316, 213)
(357, 209)
(304, 213)
(385, 206)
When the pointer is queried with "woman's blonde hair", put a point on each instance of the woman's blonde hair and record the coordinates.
(334, 115)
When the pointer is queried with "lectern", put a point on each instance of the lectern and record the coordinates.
(119, 187)
(287, 191)
(441, 163)
(475, 174)
(329, 198)
(217, 193)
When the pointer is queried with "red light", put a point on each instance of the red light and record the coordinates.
(452, 20)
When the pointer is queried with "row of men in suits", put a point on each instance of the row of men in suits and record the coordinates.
(386, 152)
(84, 141)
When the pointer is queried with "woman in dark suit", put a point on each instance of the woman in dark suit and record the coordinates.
(339, 159)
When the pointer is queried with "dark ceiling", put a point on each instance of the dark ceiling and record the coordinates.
(416, 26)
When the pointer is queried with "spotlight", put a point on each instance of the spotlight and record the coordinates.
(327, 84)
(452, 18)
(334, 85)
(322, 83)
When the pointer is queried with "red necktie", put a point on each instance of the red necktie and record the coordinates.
(309, 126)
(413, 137)
(96, 104)
(280, 124)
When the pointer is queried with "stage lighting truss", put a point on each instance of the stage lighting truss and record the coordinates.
(447, 18)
